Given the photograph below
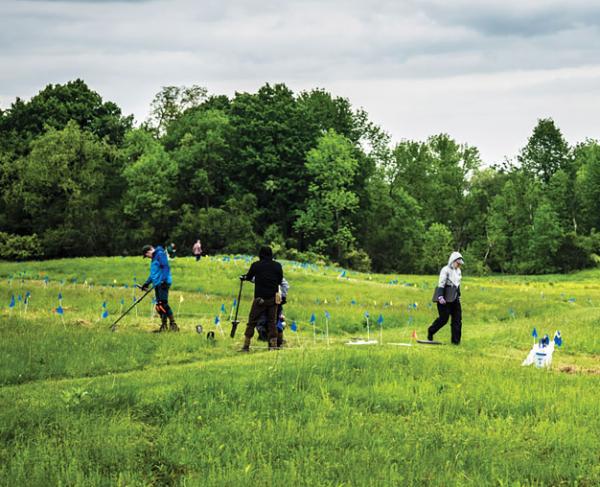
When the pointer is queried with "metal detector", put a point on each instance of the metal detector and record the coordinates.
(235, 322)
(113, 327)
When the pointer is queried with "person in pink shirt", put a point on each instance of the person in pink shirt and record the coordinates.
(197, 250)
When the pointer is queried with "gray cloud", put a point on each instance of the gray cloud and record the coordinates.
(127, 50)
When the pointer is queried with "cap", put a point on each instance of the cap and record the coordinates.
(145, 249)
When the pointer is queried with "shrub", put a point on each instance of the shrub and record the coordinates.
(19, 247)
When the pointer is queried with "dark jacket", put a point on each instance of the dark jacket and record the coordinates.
(267, 274)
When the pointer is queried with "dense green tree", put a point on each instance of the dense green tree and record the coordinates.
(54, 107)
(199, 142)
(62, 186)
(170, 103)
(587, 185)
(391, 230)
(546, 151)
(325, 223)
(150, 174)
(437, 246)
(546, 238)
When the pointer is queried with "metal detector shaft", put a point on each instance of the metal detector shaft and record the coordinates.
(235, 321)
(114, 325)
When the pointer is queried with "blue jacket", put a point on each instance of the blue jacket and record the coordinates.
(159, 268)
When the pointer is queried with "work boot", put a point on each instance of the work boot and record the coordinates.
(172, 325)
(246, 345)
(163, 324)
(273, 344)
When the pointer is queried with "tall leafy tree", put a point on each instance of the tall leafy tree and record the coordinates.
(170, 103)
(546, 151)
(54, 107)
(150, 174)
(200, 143)
(325, 223)
(63, 187)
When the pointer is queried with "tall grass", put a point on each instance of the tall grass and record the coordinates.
(83, 406)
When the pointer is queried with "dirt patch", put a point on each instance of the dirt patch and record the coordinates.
(83, 323)
(573, 369)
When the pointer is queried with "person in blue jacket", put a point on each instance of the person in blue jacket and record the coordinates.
(160, 278)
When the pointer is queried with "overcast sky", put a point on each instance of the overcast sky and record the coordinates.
(482, 71)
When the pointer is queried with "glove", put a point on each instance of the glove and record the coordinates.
(441, 300)
(243, 277)
(145, 287)
(283, 300)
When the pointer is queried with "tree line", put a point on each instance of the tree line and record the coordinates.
(307, 173)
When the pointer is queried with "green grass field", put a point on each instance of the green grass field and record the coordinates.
(80, 405)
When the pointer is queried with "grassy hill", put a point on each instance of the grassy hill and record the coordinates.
(80, 405)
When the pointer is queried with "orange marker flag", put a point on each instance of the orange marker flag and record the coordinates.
(414, 335)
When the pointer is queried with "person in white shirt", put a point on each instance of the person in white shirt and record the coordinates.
(447, 297)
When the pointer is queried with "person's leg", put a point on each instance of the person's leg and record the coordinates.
(160, 310)
(442, 319)
(272, 322)
(279, 330)
(456, 323)
(197, 257)
(255, 311)
(162, 304)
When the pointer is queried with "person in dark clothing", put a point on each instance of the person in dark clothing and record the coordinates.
(267, 275)
(262, 327)
(447, 296)
(160, 277)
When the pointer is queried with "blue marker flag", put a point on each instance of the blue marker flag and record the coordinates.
(217, 320)
(366, 314)
(19, 298)
(558, 339)
(534, 333)
(313, 318)
(59, 296)
(380, 319)
(327, 315)
(27, 295)
(294, 326)
(223, 308)
(60, 310)
(12, 301)
(105, 314)
(104, 304)
(234, 302)
(353, 301)
(122, 301)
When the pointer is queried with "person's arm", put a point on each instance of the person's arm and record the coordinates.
(249, 276)
(442, 284)
(284, 287)
(163, 264)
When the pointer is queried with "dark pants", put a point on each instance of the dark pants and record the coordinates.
(197, 257)
(162, 300)
(446, 311)
(260, 306)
